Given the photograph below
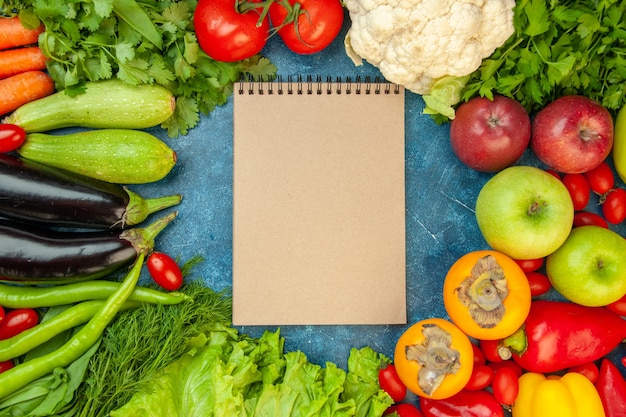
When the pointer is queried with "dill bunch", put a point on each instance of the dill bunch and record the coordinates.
(142, 341)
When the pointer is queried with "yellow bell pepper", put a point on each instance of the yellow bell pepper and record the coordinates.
(572, 395)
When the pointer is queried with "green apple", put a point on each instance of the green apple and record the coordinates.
(524, 212)
(590, 267)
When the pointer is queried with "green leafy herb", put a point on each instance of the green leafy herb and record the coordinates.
(559, 47)
(142, 341)
(138, 41)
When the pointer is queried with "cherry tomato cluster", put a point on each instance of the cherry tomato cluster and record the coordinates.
(234, 30)
(492, 388)
(14, 322)
(537, 279)
(599, 181)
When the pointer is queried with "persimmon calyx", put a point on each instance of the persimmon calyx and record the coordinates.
(484, 291)
(436, 357)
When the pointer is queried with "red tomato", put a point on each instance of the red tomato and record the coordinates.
(600, 178)
(1, 314)
(479, 356)
(507, 364)
(390, 382)
(589, 369)
(6, 365)
(505, 386)
(404, 410)
(481, 378)
(618, 307)
(309, 25)
(16, 321)
(226, 34)
(578, 188)
(530, 265)
(164, 271)
(11, 137)
(585, 218)
(539, 283)
(491, 350)
(614, 206)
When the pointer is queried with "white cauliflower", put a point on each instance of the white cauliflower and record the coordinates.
(414, 43)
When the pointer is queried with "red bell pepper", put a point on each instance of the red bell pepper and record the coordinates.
(611, 386)
(463, 404)
(558, 335)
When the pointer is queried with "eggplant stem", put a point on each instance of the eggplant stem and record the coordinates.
(139, 208)
(142, 239)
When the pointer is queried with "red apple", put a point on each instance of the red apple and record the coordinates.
(490, 135)
(572, 134)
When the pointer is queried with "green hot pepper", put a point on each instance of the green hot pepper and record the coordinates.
(27, 372)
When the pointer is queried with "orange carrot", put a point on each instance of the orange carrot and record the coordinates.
(13, 33)
(17, 60)
(22, 88)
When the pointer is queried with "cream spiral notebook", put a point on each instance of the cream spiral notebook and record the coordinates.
(318, 203)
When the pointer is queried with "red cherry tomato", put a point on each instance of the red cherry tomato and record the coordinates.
(6, 365)
(618, 307)
(614, 206)
(392, 384)
(481, 378)
(587, 218)
(491, 350)
(227, 35)
(589, 369)
(507, 364)
(539, 283)
(530, 265)
(164, 271)
(404, 410)
(601, 178)
(505, 386)
(16, 321)
(479, 356)
(11, 137)
(308, 26)
(578, 188)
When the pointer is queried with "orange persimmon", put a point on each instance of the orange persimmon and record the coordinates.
(487, 295)
(434, 358)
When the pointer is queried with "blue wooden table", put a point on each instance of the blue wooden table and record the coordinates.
(440, 198)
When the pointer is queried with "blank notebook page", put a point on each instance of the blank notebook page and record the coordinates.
(318, 204)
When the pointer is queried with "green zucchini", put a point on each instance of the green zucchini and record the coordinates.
(104, 104)
(123, 156)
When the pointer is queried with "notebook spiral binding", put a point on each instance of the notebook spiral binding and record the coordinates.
(307, 85)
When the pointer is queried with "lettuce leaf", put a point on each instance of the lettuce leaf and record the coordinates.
(362, 382)
(225, 373)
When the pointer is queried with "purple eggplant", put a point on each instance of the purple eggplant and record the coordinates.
(41, 194)
(39, 255)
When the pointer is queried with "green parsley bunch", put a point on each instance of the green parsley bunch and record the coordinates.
(137, 41)
(559, 47)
